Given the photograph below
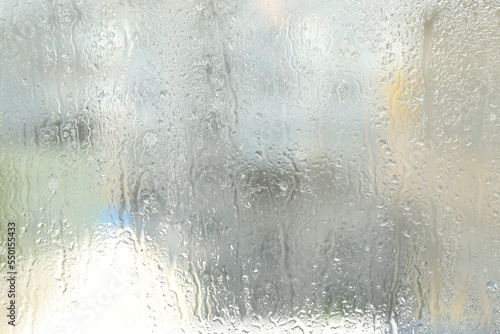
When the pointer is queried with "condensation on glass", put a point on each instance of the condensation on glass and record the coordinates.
(259, 166)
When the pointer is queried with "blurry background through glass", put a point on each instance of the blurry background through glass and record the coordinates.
(258, 166)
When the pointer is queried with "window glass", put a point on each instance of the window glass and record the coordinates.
(250, 166)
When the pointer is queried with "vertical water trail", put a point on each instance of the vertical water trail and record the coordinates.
(480, 164)
(125, 189)
(128, 39)
(193, 271)
(285, 231)
(55, 86)
(426, 74)
(139, 214)
(398, 138)
(435, 287)
(231, 138)
(77, 18)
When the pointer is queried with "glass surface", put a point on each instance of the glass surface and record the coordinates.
(259, 166)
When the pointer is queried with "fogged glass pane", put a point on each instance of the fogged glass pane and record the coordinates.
(258, 166)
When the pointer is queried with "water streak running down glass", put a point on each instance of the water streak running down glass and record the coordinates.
(258, 166)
